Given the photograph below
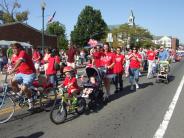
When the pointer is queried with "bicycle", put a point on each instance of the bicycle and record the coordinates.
(9, 101)
(60, 110)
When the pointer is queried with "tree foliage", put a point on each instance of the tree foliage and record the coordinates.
(9, 14)
(139, 36)
(58, 29)
(89, 25)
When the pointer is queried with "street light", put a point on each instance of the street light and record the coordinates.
(43, 5)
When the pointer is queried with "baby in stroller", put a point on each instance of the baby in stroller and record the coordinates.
(92, 88)
(89, 87)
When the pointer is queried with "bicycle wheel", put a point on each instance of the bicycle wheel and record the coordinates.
(58, 113)
(7, 108)
(47, 98)
(81, 105)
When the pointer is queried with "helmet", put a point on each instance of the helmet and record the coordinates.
(67, 69)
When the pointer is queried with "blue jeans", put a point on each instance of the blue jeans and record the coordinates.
(25, 79)
(1, 66)
(134, 75)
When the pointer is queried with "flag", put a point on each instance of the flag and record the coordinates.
(51, 18)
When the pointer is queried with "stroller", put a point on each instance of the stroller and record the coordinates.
(95, 97)
(163, 70)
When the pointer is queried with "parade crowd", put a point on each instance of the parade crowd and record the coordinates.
(117, 62)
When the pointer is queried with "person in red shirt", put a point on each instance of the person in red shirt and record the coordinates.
(96, 56)
(135, 63)
(71, 52)
(26, 72)
(118, 69)
(107, 60)
(151, 58)
(70, 83)
(51, 70)
(36, 57)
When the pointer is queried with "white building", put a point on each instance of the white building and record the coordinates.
(166, 41)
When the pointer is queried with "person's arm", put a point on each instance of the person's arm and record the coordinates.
(17, 64)
(138, 58)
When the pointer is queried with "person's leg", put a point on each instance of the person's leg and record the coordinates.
(107, 86)
(131, 78)
(74, 94)
(120, 81)
(27, 82)
(136, 77)
(1, 66)
(116, 81)
(150, 68)
(15, 81)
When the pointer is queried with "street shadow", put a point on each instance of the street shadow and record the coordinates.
(126, 90)
(34, 135)
(71, 117)
(25, 114)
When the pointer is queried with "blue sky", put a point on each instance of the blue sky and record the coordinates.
(160, 17)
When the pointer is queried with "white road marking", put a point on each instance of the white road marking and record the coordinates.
(163, 126)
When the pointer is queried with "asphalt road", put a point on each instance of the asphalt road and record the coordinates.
(136, 114)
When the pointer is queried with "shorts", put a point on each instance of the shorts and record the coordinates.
(110, 76)
(25, 79)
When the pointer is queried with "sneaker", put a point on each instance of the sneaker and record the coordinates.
(137, 86)
(30, 103)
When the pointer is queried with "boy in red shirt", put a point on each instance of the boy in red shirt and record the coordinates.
(70, 83)
(118, 69)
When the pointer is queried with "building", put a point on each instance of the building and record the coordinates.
(24, 33)
(166, 41)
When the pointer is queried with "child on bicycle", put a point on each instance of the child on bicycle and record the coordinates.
(70, 83)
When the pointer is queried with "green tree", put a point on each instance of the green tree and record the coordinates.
(58, 29)
(9, 14)
(89, 25)
(139, 36)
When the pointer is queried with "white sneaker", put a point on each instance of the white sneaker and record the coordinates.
(30, 103)
(137, 86)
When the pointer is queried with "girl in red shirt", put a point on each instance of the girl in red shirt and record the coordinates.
(118, 69)
(51, 71)
(107, 60)
(135, 63)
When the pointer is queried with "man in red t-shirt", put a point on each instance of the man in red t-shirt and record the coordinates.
(151, 58)
(135, 63)
(25, 72)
